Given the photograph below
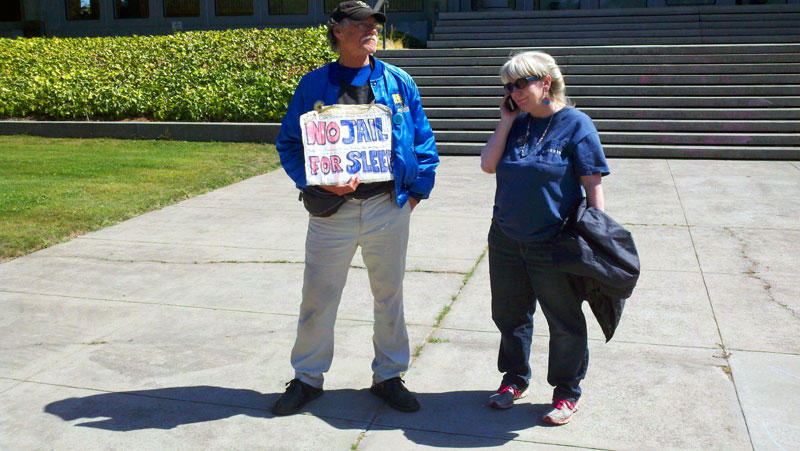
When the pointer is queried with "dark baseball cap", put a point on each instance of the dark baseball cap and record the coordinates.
(355, 11)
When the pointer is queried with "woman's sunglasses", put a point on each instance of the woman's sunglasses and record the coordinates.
(520, 83)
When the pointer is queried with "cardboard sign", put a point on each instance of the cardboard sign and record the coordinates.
(340, 141)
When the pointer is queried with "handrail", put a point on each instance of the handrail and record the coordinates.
(378, 5)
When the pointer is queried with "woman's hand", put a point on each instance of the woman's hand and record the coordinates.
(505, 113)
(341, 190)
(494, 148)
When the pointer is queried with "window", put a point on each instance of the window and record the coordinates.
(181, 8)
(83, 9)
(131, 9)
(406, 5)
(11, 11)
(623, 3)
(393, 5)
(690, 2)
(479, 5)
(559, 4)
(761, 2)
(280, 7)
(234, 7)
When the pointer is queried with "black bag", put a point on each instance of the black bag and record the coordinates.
(601, 261)
(319, 202)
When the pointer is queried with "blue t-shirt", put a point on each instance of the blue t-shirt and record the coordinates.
(535, 191)
(356, 76)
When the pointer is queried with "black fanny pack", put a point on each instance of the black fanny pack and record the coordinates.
(319, 202)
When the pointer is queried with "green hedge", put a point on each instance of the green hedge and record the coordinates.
(231, 75)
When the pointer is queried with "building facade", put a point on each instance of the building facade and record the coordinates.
(142, 17)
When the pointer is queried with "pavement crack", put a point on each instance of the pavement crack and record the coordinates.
(418, 350)
(160, 304)
(433, 271)
(752, 272)
(636, 224)
(725, 356)
(169, 262)
(445, 310)
(178, 244)
(361, 436)
(14, 385)
(249, 208)
(485, 436)
(763, 351)
(725, 353)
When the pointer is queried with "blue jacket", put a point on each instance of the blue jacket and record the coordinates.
(414, 152)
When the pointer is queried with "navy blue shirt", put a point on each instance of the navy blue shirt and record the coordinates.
(356, 76)
(353, 86)
(537, 185)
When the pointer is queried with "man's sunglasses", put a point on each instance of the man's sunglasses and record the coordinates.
(520, 83)
(366, 26)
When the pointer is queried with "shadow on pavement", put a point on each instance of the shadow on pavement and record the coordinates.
(449, 419)
(163, 408)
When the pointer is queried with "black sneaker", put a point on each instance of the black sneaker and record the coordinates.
(297, 394)
(396, 394)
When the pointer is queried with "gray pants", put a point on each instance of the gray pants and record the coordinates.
(380, 227)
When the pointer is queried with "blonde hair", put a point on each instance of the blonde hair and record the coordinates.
(540, 64)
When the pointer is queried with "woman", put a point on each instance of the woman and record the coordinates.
(546, 154)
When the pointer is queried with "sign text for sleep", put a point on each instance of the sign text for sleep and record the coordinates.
(339, 146)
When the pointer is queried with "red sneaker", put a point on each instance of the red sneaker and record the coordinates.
(506, 395)
(561, 413)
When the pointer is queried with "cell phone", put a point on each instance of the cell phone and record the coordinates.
(510, 104)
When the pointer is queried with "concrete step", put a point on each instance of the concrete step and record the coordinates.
(498, 61)
(693, 82)
(633, 101)
(567, 24)
(554, 19)
(702, 126)
(745, 17)
(705, 12)
(645, 125)
(444, 28)
(505, 26)
(630, 80)
(544, 42)
(706, 152)
(561, 50)
(658, 151)
(663, 90)
(628, 69)
(620, 21)
(641, 137)
(648, 34)
(633, 114)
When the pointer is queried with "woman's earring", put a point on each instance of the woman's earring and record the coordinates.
(546, 100)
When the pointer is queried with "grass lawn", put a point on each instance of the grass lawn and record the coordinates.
(52, 190)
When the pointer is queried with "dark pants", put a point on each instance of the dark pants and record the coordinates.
(522, 273)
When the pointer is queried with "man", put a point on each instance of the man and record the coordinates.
(374, 216)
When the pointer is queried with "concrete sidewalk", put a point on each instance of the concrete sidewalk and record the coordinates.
(173, 330)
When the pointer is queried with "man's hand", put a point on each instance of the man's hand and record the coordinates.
(341, 190)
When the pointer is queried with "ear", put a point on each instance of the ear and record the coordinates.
(546, 81)
(337, 31)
